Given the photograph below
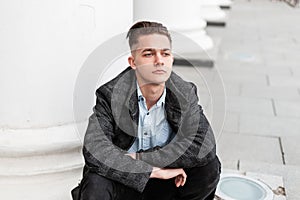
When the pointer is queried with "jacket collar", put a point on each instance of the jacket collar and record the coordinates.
(126, 91)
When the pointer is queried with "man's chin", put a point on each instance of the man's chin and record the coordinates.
(156, 82)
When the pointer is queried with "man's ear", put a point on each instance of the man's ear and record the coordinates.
(131, 62)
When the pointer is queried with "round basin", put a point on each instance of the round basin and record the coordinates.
(239, 187)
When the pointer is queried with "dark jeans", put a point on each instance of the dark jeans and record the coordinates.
(201, 184)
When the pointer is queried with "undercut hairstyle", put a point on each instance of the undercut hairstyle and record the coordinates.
(146, 28)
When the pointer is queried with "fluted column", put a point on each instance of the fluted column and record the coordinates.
(43, 45)
(180, 16)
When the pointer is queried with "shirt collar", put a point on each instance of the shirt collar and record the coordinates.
(161, 100)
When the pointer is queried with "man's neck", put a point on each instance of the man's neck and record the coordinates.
(152, 93)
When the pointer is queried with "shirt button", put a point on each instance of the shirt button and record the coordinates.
(146, 133)
(147, 113)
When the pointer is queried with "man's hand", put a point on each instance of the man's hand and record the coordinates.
(179, 174)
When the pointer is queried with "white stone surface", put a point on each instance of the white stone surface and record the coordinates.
(284, 81)
(269, 125)
(273, 70)
(40, 151)
(232, 89)
(271, 92)
(244, 78)
(187, 43)
(42, 50)
(212, 13)
(295, 72)
(249, 106)
(199, 75)
(288, 108)
(55, 186)
(229, 166)
(290, 174)
(232, 121)
(217, 2)
(249, 147)
(254, 49)
(181, 17)
(272, 181)
(175, 14)
(290, 145)
(43, 47)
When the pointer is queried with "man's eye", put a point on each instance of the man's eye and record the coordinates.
(166, 54)
(148, 54)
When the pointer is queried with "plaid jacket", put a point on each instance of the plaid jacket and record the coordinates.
(113, 127)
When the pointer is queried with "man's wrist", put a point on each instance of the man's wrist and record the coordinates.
(138, 156)
(154, 172)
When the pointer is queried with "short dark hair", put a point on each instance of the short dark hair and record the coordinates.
(146, 28)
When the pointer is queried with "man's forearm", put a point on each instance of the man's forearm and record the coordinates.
(162, 173)
(179, 175)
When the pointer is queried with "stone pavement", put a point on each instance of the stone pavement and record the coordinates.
(258, 60)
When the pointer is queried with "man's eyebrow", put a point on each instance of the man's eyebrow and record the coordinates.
(148, 49)
(152, 49)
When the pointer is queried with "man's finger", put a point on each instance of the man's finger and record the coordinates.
(178, 181)
(183, 180)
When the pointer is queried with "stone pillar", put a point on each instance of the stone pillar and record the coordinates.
(179, 16)
(221, 3)
(43, 45)
(211, 11)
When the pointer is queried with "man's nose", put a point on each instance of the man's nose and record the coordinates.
(159, 60)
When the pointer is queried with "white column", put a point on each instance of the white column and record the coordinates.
(226, 3)
(43, 46)
(211, 11)
(179, 16)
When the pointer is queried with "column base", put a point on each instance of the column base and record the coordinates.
(43, 163)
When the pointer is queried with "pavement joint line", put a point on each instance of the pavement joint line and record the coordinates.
(264, 136)
(240, 87)
(274, 108)
(291, 71)
(212, 23)
(225, 7)
(257, 135)
(282, 151)
(268, 80)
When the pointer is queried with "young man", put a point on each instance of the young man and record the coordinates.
(148, 138)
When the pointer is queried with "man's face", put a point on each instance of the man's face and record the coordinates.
(152, 59)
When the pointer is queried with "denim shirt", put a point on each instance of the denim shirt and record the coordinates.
(153, 128)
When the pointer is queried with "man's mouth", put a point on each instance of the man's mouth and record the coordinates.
(159, 71)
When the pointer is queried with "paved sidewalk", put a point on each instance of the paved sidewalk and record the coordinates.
(259, 61)
(259, 58)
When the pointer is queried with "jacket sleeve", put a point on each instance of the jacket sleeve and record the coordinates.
(194, 143)
(106, 159)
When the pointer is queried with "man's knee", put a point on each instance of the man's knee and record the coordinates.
(201, 182)
(95, 187)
